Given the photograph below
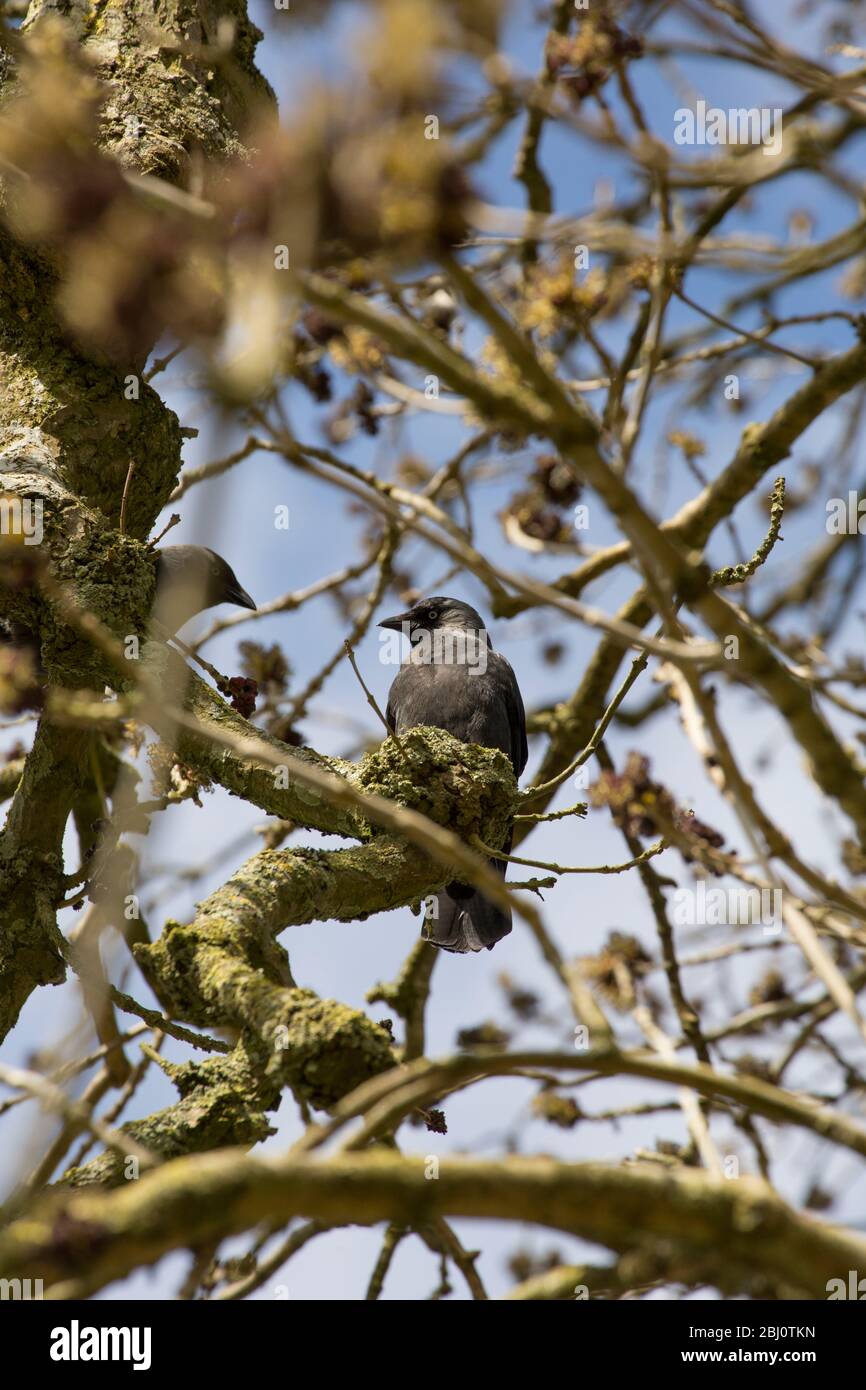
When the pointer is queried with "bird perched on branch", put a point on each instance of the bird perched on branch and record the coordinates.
(190, 578)
(452, 679)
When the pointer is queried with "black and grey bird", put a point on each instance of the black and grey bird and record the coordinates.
(452, 679)
(190, 578)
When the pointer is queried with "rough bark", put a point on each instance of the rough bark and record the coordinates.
(68, 433)
(80, 1243)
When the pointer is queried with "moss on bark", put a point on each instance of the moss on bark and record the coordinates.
(69, 432)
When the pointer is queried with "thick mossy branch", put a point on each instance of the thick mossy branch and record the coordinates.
(193, 967)
(738, 1235)
(458, 785)
(65, 417)
(468, 789)
(168, 65)
(31, 868)
(275, 790)
(226, 968)
(112, 576)
(319, 1048)
(222, 1104)
(69, 429)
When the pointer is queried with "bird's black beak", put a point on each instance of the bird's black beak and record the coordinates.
(235, 594)
(396, 623)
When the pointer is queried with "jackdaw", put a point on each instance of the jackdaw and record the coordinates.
(190, 578)
(452, 679)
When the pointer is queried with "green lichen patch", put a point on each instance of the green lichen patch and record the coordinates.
(468, 788)
(222, 1104)
(111, 576)
(324, 1049)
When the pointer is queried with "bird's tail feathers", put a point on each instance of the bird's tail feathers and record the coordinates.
(465, 920)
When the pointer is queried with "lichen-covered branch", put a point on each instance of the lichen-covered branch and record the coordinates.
(69, 428)
(739, 1235)
(225, 968)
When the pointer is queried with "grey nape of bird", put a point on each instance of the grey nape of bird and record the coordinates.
(190, 578)
(477, 699)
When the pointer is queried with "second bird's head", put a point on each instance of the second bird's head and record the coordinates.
(191, 578)
(434, 615)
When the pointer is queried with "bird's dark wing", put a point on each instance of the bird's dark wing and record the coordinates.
(516, 714)
(483, 708)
